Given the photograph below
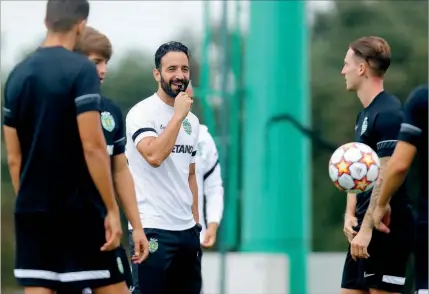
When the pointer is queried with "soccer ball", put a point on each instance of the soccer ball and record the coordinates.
(354, 167)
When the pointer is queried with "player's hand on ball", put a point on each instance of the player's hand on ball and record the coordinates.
(381, 217)
(182, 105)
(360, 243)
(113, 230)
(141, 246)
(350, 221)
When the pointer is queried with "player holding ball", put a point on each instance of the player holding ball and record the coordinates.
(376, 267)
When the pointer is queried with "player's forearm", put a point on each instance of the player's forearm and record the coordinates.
(215, 204)
(194, 189)
(98, 163)
(14, 155)
(368, 220)
(213, 226)
(160, 148)
(124, 185)
(394, 178)
(351, 204)
(14, 164)
(215, 208)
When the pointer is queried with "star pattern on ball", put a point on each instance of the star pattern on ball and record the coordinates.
(361, 184)
(343, 167)
(367, 160)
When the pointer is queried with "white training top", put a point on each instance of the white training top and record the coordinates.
(210, 189)
(163, 195)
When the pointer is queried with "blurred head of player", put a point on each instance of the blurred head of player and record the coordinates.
(172, 68)
(366, 62)
(66, 18)
(97, 47)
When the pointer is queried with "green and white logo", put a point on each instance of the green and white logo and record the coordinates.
(107, 121)
(120, 265)
(187, 126)
(153, 245)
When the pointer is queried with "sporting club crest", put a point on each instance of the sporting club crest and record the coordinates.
(187, 126)
(107, 121)
(153, 245)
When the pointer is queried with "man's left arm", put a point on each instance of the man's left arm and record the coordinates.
(123, 181)
(125, 191)
(213, 186)
(192, 179)
(194, 189)
(386, 128)
(124, 186)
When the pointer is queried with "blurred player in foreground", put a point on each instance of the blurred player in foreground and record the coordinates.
(162, 139)
(413, 139)
(210, 189)
(98, 48)
(67, 223)
(380, 267)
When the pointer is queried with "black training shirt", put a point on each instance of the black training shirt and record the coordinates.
(414, 130)
(43, 96)
(378, 126)
(113, 126)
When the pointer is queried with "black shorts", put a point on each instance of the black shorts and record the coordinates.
(386, 267)
(56, 251)
(421, 257)
(66, 289)
(173, 265)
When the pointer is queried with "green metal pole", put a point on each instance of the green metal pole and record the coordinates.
(275, 215)
(203, 92)
(230, 222)
(224, 134)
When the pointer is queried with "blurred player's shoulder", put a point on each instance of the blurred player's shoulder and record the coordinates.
(420, 94)
(206, 139)
(18, 76)
(204, 134)
(204, 130)
(51, 62)
(422, 90)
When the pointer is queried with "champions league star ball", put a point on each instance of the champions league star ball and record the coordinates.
(354, 168)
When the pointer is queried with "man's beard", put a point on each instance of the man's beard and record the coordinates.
(168, 89)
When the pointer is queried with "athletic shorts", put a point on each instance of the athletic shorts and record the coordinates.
(127, 273)
(57, 251)
(386, 267)
(173, 265)
(421, 257)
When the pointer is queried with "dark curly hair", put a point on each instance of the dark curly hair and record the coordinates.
(172, 46)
